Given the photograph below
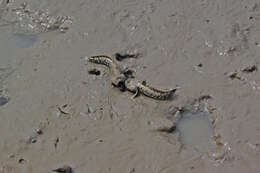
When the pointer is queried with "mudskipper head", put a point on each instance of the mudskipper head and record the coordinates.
(85, 58)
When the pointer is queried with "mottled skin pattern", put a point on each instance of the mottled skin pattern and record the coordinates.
(131, 84)
(107, 61)
(137, 86)
(117, 73)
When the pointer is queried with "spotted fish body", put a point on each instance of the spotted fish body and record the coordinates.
(135, 85)
(117, 73)
(120, 80)
(107, 61)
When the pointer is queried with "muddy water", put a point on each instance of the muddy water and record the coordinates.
(103, 129)
(20, 41)
(196, 131)
(12, 44)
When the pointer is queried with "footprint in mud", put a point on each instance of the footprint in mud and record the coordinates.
(196, 130)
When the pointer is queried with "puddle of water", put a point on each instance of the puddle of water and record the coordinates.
(13, 44)
(196, 131)
(3, 101)
(20, 41)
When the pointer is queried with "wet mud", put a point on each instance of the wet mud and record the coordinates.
(56, 109)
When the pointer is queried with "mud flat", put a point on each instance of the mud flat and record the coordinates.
(54, 113)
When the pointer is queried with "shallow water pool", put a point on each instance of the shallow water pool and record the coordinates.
(196, 130)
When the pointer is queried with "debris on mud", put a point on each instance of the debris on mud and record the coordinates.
(249, 69)
(129, 73)
(234, 75)
(39, 131)
(132, 170)
(56, 141)
(204, 97)
(64, 169)
(36, 21)
(65, 109)
(197, 68)
(200, 65)
(167, 130)
(121, 57)
(222, 155)
(217, 139)
(94, 72)
(32, 139)
(21, 161)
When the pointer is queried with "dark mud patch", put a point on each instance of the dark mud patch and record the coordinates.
(250, 69)
(121, 57)
(94, 72)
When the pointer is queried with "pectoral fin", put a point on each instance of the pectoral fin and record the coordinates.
(137, 92)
